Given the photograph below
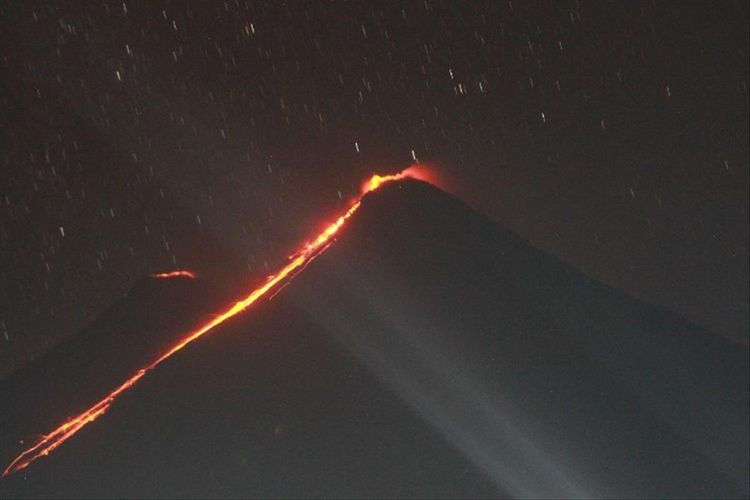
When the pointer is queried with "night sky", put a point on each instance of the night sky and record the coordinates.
(138, 137)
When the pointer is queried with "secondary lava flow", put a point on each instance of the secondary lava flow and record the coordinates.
(48, 443)
(174, 274)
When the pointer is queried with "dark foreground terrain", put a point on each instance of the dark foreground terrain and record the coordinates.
(428, 352)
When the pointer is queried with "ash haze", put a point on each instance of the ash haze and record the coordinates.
(424, 352)
(158, 160)
(141, 137)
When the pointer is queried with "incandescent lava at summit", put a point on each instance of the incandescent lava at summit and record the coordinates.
(427, 352)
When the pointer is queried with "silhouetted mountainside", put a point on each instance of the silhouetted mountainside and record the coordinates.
(428, 352)
(151, 317)
(117, 216)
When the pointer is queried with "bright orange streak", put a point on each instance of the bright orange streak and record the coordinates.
(175, 274)
(378, 180)
(297, 262)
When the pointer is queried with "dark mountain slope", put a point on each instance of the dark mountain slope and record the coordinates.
(137, 328)
(426, 353)
(79, 229)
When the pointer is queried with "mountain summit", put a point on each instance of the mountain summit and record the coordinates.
(428, 352)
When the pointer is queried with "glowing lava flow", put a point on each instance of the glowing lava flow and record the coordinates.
(309, 251)
(174, 274)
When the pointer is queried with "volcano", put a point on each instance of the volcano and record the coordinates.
(428, 352)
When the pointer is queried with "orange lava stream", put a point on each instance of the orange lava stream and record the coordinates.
(48, 443)
(174, 274)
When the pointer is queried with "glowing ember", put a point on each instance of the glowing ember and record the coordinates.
(174, 274)
(309, 251)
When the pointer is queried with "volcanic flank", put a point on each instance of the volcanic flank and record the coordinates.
(427, 352)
